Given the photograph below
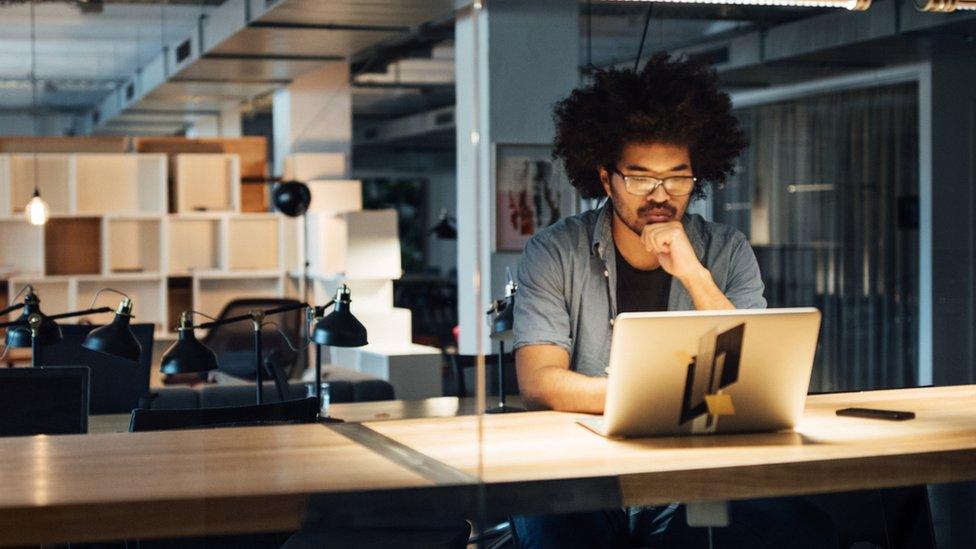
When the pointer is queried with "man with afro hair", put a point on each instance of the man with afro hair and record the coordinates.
(649, 142)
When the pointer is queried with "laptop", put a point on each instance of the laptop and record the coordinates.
(705, 372)
(44, 401)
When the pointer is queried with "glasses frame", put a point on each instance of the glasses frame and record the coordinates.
(659, 183)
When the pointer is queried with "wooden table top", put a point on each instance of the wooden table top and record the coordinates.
(184, 482)
(111, 486)
(825, 453)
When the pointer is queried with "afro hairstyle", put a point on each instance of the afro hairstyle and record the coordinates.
(673, 101)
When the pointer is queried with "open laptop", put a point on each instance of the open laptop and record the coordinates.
(701, 372)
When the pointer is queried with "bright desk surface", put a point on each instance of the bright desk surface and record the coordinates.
(251, 479)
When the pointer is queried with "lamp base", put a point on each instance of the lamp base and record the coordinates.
(503, 409)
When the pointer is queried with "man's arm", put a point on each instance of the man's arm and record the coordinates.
(670, 242)
(546, 382)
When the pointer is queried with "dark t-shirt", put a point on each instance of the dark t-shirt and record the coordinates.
(641, 291)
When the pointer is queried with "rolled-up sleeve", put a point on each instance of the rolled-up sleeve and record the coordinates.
(541, 311)
(745, 286)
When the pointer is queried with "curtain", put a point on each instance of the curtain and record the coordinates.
(828, 194)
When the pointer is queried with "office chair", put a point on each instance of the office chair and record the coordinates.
(234, 343)
(116, 384)
(460, 364)
(303, 410)
(43, 401)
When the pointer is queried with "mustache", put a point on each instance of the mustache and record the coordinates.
(650, 207)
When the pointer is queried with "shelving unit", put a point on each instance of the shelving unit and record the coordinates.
(110, 227)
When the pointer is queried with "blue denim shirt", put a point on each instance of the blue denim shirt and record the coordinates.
(568, 283)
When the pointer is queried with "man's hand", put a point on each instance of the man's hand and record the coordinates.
(673, 249)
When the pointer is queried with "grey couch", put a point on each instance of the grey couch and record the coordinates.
(344, 386)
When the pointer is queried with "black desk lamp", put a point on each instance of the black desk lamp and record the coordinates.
(188, 355)
(339, 329)
(502, 318)
(445, 228)
(33, 328)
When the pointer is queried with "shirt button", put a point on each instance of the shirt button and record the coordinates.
(611, 322)
(606, 273)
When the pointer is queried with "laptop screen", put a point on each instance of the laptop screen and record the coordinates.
(51, 401)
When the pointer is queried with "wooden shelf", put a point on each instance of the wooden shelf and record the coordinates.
(211, 294)
(193, 244)
(253, 242)
(132, 245)
(21, 247)
(54, 181)
(207, 183)
(73, 246)
(179, 298)
(148, 298)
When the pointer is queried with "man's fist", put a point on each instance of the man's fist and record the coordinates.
(673, 249)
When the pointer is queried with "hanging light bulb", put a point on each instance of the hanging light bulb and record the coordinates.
(37, 210)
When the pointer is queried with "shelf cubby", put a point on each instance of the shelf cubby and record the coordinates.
(132, 244)
(120, 183)
(147, 294)
(179, 298)
(21, 247)
(193, 244)
(211, 291)
(56, 295)
(207, 183)
(73, 245)
(253, 242)
(55, 174)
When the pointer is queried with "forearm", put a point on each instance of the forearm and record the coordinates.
(705, 294)
(555, 388)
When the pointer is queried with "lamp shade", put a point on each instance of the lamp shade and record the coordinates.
(502, 323)
(445, 228)
(187, 355)
(48, 333)
(340, 328)
(116, 338)
(291, 197)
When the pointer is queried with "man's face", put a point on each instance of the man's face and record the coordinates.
(657, 160)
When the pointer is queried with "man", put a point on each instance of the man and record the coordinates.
(649, 142)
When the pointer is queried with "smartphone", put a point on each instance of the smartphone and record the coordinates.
(874, 413)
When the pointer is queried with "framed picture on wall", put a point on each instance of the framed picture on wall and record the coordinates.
(531, 192)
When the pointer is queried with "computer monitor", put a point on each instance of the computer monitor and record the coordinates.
(48, 401)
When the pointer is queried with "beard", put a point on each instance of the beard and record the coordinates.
(645, 214)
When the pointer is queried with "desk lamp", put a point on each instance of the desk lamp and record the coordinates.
(339, 329)
(502, 318)
(188, 355)
(34, 328)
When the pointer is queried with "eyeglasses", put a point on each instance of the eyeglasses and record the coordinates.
(643, 185)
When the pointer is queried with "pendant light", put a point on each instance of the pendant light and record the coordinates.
(37, 211)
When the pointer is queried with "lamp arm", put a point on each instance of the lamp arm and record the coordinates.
(11, 308)
(13, 323)
(249, 316)
(81, 313)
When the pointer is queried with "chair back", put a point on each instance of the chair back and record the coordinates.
(304, 410)
(462, 369)
(116, 383)
(234, 343)
(43, 401)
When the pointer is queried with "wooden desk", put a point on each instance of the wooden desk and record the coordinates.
(251, 479)
(826, 453)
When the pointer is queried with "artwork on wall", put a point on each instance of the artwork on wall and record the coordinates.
(531, 193)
